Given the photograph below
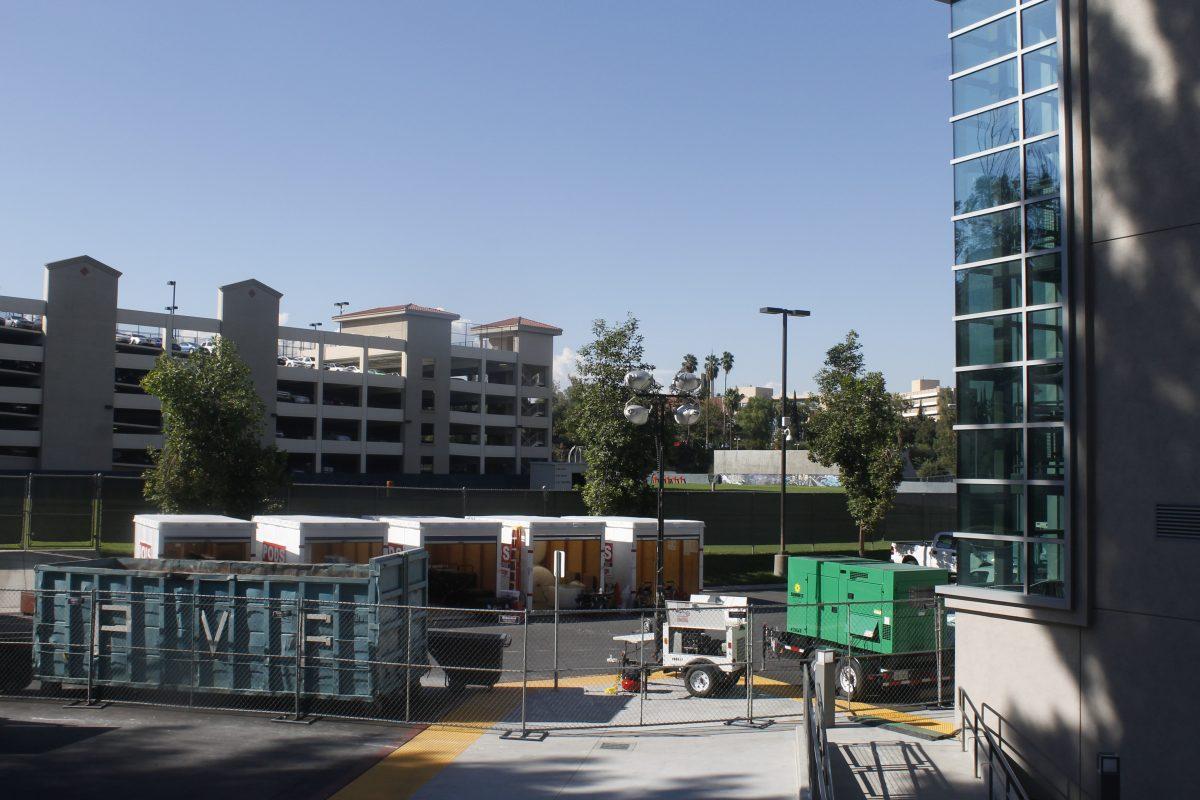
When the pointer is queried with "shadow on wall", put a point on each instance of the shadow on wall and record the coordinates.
(1142, 263)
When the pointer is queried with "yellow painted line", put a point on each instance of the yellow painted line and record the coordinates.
(866, 709)
(406, 769)
(574, 681)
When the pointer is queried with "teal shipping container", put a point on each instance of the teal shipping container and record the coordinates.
(330, 630)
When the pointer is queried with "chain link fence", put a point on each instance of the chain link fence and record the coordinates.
(60, 511)
(521, 672)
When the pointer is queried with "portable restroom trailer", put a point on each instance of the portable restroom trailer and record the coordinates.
(464, 556)
(303, 539)
(192, 536)
(631, 546)
(232, 626)
(528, 545)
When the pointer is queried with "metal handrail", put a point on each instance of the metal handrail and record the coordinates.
(820, 771)
(995, 753)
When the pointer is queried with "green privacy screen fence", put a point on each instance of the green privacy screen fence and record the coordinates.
(89, 510)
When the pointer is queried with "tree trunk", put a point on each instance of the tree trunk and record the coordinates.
(862, 541)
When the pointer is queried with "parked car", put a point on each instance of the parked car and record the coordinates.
(281, 361)
(304, 362)
(284, 396)
(208, 345)
(122, 337)
(301, 399)
(188, 347)
(937, 552)
(18, 321)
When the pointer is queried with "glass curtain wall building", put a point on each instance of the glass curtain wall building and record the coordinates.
(1009, 298)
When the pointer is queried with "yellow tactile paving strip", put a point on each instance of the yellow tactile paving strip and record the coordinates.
(402, 772)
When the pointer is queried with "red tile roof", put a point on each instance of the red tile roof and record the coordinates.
(517, 322)
(366, 312)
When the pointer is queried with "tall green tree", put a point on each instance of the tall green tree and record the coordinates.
(689, 363)
(755, 423)
(857, 428)
(619, 455)
(727, 416)
(212, 459)
(945, 440)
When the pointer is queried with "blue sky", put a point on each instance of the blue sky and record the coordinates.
(684, 161)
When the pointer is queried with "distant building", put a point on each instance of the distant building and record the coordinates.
(748, 392)
(922, 399)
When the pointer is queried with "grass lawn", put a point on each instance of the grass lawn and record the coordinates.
(737, 565)
(106, 548)
(729, 487)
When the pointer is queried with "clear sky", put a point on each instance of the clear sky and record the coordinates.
(685, 161)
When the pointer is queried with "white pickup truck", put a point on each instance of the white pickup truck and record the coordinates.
(936, 553)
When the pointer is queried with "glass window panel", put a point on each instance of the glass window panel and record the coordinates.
(1046, 457)
(987, 236)
(990, 288)
(989, 340)
(988, 181)
(1046, 400)
(984, 43)
(1041, 68)
(991, 454)
(985, 131)
(986, 86)
(1045, 333)
(1043, 225)
(1047, 511)
(1041, 114)
(996, 508)
(1046, 569)
(990, 396)
(968, 12)
(985, 564)
(1041, 168)
(1045, 279)
(1039, 23)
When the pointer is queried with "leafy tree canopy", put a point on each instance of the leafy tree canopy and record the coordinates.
(212, 460)
(857, 428)
(619, 455)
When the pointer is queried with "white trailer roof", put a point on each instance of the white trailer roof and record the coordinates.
(552, 527)
(339, 527)
(624, 528)
(454, 528)
(195, 526)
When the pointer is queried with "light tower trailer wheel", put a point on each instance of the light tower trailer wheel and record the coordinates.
(702, 680)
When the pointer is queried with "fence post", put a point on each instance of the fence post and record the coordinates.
(27, 514)
(524, 664)
(937, 633)
(299, 649)
(749, 663)
(93, 644)
(193, 678)
(643, 678)
(408, 667)
(97, 506)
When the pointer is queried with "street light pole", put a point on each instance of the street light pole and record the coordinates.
(781, 557)
(171, 330)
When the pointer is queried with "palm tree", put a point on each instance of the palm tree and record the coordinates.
(712, 367)
(727, 366)
(690, 363)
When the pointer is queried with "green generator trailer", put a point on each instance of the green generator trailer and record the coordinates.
(879, 617)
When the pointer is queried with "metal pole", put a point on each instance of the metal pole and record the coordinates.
(93, 643)
(781, 558)
(937, 631)
(464, 502)
(524, 665)
(660, 589)
(643, 678)
(749, 663)
(192, 667)
(27, 514)
(299, 649)
(556, 580)
(408, 668)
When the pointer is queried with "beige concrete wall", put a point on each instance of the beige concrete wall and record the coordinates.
(80, 365)
(428, 337)
(249, 314)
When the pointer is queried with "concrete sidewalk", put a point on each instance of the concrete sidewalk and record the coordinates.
(873, 762)
(711, 761)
